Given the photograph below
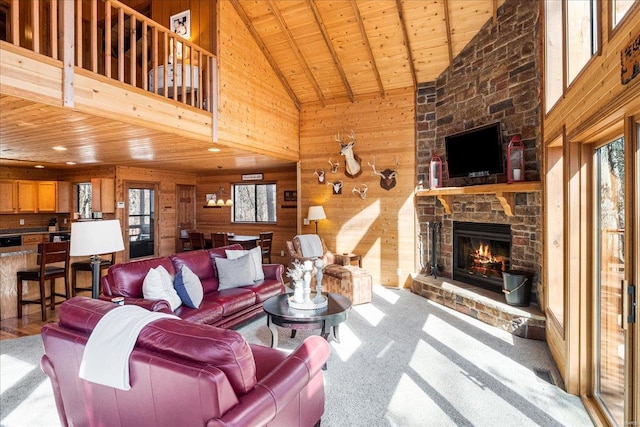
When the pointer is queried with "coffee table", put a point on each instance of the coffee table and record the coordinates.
(326, 319)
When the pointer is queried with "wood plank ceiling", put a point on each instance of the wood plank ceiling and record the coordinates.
(323, 51)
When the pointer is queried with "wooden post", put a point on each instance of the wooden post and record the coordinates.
(68, 54)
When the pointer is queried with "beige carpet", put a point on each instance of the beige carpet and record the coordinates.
(402, 361)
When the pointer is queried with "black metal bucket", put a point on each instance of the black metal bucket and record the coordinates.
(516, 287)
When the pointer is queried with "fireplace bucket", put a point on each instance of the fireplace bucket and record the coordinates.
(516, 287)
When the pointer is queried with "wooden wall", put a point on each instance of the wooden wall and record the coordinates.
(203, 18)
(254, 110)
(219, 219)
(381, 227)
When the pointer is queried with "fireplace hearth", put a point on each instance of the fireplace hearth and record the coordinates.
(481, 252)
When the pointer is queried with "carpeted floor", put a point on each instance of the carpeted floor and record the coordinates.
(402, 361)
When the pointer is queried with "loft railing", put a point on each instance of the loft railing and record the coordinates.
(115, 41)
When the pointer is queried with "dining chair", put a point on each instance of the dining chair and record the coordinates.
(219, 239)
(105, 263)
(196, 240)
(266, 239)
(53, 263)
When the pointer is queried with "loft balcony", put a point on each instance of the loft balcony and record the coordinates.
(105, 59)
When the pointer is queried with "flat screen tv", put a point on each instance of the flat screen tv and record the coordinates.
(475, 152)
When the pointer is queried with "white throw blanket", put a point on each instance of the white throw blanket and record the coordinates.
(106, 356)
(310, 245)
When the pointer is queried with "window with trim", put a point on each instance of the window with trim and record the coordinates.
(619, 9)
(83, 197)
(254, 203)
(581, 34)
(552, 52)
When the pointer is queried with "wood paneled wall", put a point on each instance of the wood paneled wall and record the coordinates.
(255, 111)
(203, 18)
(381, 227)
(220, 219)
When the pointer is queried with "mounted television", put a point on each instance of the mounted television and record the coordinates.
(475, 152)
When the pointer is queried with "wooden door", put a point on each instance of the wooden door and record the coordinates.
(185, 211)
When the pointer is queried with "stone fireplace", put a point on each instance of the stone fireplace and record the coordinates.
(481, 252)
(493, 79)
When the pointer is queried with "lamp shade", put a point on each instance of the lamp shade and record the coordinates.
(316, 213)
(90, 238)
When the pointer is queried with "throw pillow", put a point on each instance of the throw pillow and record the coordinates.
(188, 287)
(256, 257)
(158, 284)
(234, 272)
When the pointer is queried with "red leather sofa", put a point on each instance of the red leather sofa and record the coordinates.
(225, 308)
(184, 374)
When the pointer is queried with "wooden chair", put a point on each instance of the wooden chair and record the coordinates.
(266, 239)
(185, 243)
(219, 239)
(48, 253)
(196, 240)
(105, 263)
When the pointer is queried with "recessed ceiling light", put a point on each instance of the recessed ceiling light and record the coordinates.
(71, 163)
(39, 167)
(214, 150)
(60, 148)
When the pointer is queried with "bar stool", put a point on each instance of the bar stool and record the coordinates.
(86, 266)
(48, 253)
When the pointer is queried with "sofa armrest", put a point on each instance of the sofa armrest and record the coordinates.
(273, 271)
(159, 305)
(278, 388)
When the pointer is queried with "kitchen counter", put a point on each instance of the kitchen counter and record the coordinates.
(27, 231)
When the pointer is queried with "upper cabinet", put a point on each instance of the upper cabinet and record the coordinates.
(35, 196)
(103, 196)
(9, 199)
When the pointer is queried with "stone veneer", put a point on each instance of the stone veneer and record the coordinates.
(495, 78)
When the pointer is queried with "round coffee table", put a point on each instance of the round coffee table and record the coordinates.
(326, 319)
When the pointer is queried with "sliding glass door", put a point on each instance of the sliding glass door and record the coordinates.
(141, 220)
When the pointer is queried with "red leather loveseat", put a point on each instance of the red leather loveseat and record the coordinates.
(224, 308)
(184, 374)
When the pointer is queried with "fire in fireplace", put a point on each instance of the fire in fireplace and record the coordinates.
(481, 252)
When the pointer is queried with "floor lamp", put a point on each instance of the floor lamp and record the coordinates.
(316, 213)
(92, 238)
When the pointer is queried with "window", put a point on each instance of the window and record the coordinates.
(620, 9)
(582, 43)
(553, 53)
(84, 199)
(254, 203)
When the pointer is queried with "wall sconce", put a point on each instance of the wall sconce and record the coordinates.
(515, 160)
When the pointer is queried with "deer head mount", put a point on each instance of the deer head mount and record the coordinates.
(334, 166)
(320, 174)
(360, 191)
(352, 163)
(387, 176)
(336, 187)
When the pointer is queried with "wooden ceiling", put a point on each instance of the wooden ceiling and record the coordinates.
(323, 51)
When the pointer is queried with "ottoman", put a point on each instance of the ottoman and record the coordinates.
(353, 282)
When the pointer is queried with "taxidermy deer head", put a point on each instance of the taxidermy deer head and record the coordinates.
(352, 162)
(320, 175)
(334, 166)
(337, 187)
(361, 191)
(387, 176)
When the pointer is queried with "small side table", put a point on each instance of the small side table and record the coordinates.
(353, 257)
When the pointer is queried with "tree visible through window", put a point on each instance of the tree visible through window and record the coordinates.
(254, 203)
(84, 199)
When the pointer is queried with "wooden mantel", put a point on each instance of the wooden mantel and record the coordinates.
(504, 192)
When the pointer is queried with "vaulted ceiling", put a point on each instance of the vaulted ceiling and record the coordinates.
(326, 50)
(323, 51)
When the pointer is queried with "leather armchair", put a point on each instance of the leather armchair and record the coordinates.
(184, 374)
(328, 257)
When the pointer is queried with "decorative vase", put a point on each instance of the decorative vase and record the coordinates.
(298, 290)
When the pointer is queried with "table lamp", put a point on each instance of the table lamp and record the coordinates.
(316, 213)
(93, 238)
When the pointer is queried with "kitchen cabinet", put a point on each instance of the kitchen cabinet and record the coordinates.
(35, 196)
(27, 196)
(47, 196)
(9, 199)
(103, 195)
(64, 198)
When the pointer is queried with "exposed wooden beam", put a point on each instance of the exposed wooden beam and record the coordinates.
(367, 45)
(495, 12)
(274, 66)
(296, 50)
(334, 55)
(405, 37)
(447, 23)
